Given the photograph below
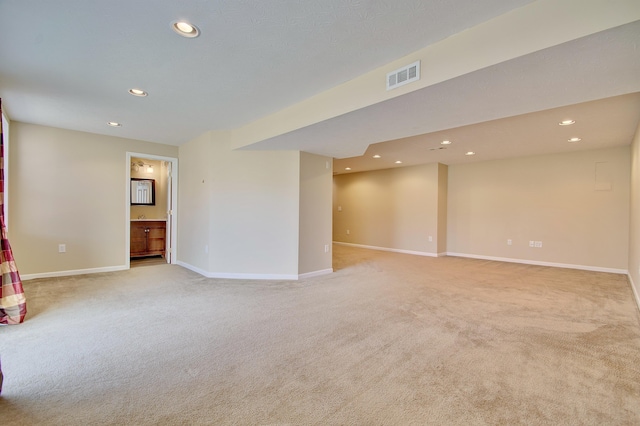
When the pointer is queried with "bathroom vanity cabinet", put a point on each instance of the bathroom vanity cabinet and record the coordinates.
(148, 237)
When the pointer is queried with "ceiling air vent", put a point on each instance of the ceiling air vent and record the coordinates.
(404, 75)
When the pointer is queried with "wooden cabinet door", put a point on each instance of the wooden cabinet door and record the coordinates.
(156, 238)
(138, 238)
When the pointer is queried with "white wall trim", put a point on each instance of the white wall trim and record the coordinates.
(73, 272)
(539, 263)
(416, 253)
(233, 276)
(315, 273)
(635, 292)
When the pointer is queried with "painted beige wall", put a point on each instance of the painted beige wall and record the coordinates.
(392, 208)
(243, 205)
(194, 201)
(69, 187)
(160, 175)
(254, 211)
(634, 217)
(316, 175)
(443, 185)
(550, 198)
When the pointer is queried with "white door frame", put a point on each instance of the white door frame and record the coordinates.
(174, 196)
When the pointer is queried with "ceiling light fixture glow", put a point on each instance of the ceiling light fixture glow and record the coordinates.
(347, 168)
(566, 122)
(376, 156)
(445, 143)
(470, 153)
(575, 140)
(114, 124)
(185, 29)
(398, 162)
(138, 92)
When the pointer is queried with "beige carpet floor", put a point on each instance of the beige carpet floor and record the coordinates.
(388, 339)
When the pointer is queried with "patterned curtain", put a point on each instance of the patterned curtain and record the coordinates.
(13, 305)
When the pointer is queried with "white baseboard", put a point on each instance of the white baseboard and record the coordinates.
(192, 268)
(417, 253)
(539, 263)
(234, 276)
(635, 292)
(27, 277)
(315, 273)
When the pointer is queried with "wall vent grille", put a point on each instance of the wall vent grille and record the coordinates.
(404, 75)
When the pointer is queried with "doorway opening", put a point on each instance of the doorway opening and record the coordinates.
(151, 217)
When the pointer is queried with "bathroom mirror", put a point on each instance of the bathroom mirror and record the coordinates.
(143, 192)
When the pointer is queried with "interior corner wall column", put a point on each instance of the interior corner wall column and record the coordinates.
(252, 214)
(316, 191)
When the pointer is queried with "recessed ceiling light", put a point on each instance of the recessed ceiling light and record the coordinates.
(185, 29)
(138, 92)
(445, 143)
(398, 162)
(470, 153)
(575, 140)
(347, 168)
(566, 122)
(114, 124)
(376, 156)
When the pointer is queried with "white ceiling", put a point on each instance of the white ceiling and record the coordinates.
(602, 123)
(69, 64)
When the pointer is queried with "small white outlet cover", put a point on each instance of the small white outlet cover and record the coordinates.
(509, 242)
(62, 248)
(532, 243)
(430, 238)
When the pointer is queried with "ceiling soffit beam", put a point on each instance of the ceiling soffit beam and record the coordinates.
(536, 26)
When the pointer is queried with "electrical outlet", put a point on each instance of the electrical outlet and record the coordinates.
(326, 248)
(539, 244)
(62, 248)
(430, 238)
(509, 242)
(532, 243)
(206, 248)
